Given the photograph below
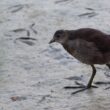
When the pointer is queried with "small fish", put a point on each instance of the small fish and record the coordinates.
(59, 1)
(17, 9)
(19, 30)
(100, 83)
(18, 98)
(75, 78)
(89, 8)
(26, 40)
(28, 33)
(31, 27)
(89, 14)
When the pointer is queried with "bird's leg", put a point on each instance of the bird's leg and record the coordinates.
(107, 75)
(89, 85)
(92, 77)
(80, 85)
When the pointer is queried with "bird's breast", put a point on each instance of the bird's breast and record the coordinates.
(69, 50)
(87, 58)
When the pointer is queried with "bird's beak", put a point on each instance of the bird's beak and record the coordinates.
(53, 40)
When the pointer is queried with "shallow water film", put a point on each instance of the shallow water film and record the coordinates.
(33, 73)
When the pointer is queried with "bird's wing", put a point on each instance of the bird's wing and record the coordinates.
(84, 47)
(101, 42)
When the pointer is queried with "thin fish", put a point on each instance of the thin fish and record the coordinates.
(60, 1)
(19, 30)
(31, 27)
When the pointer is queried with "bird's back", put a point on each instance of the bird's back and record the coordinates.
(100, 39)
(90, 46)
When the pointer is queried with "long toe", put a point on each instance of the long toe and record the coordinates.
(92, 86)
(80, 85)
(74, 87)
(81, 90)
(102, 83)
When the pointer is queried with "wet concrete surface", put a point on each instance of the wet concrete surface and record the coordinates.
(32, 72)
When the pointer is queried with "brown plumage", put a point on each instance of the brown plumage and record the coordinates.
(90, 46)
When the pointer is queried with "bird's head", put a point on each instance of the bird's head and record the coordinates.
(60, 36)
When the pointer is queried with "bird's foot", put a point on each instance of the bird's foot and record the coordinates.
(80, 85)
(103, 83)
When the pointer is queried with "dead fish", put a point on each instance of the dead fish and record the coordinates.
(89, 8)
(19, 5)
(75, 77)
(19, 30)
(99, 83)
(16, 10)
(28, 33)
(89, 14)
(61, 1)
(26, 40)
(18, 98)
(31, 27)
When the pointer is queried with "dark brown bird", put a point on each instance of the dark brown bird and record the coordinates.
(90, 46)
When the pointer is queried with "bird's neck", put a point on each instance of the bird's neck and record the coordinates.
(67, 48)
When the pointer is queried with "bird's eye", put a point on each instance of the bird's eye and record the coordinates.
(58, 36)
